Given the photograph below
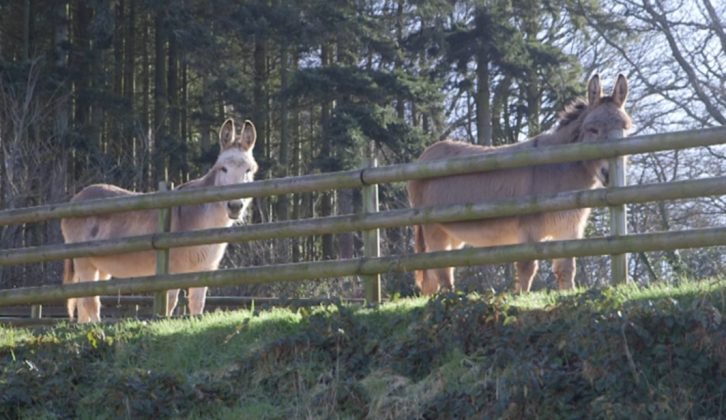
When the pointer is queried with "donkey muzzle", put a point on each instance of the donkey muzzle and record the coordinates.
(234, 209)
(615, 134)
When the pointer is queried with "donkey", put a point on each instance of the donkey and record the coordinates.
(598, 118)
(234, 165)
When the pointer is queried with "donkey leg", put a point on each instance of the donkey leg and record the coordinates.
(427, 281)
(197, 297)
(447, 279)
(172, 298)
(436, 279)
(525, 274)
(437, 239)
(564, 269)
(89, 308)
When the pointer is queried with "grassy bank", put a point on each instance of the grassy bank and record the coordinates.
(621, 352)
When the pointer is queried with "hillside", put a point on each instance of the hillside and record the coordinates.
(621, 352)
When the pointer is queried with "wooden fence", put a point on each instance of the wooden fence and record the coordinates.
(371, 266)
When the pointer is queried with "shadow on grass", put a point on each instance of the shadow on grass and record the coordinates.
(610, 352)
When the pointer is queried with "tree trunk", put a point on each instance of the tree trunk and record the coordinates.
(101, 41)
(184, 139)
(207, 115)
(500, 116)
(531, 28)
(59, 179)
(118, 53)
(297, 161)
(145, 142)
(26, 30)
(483, 109)
(120, 144)
(400, 104)
(328, 198)
(80, 65)
(160, 100)
(282, 201)
(133, 162)
(260, 102)
(174, 144)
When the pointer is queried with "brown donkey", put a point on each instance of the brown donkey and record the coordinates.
(234, 165)
(600, 118)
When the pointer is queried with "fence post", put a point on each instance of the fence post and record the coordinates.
(36, 311)
(618, 220)
(371, 239)
(161, 298)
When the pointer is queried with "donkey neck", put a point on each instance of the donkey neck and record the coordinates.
(563, 134)
(558, 177)
(201, 216)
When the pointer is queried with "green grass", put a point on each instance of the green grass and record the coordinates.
(623, 352)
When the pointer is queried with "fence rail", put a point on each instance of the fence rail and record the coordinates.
(140, 307)
(364, 177)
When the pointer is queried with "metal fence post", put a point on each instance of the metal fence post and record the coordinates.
(161, 298)
(618, 220)
(371, 239)
(36, 311)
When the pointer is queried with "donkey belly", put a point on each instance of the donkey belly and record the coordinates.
(196, 258)
(135, 264)
(181, 260)
(569, 224)
(487, 232)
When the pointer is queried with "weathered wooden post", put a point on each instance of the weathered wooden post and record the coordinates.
(371, 239)
(161, 299)
(618, 220)
(36, 311)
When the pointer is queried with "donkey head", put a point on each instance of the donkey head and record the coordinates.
(235, 163)
(606, 118)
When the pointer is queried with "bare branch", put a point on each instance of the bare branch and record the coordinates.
(683, 63)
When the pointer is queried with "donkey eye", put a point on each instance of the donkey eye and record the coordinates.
(224, 169)
(592, 130)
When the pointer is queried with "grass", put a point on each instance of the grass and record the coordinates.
(623, 352)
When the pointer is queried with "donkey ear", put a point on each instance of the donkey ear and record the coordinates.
(248, 136)
(620, 91)
(594, 90)
(226, 134)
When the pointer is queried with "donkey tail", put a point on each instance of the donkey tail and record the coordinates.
(68, 275)
(419, 246)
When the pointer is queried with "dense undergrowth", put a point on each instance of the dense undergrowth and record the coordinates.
(619, 352)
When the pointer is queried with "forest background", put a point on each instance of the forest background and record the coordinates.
(132, 92)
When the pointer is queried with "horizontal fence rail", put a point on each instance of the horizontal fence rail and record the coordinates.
(393, 218)
(361, 177)
(325, 269)
(146, 302)
(140, 307)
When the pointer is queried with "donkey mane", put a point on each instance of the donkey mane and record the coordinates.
(571, 113)
(206, 180)
(566, 131)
